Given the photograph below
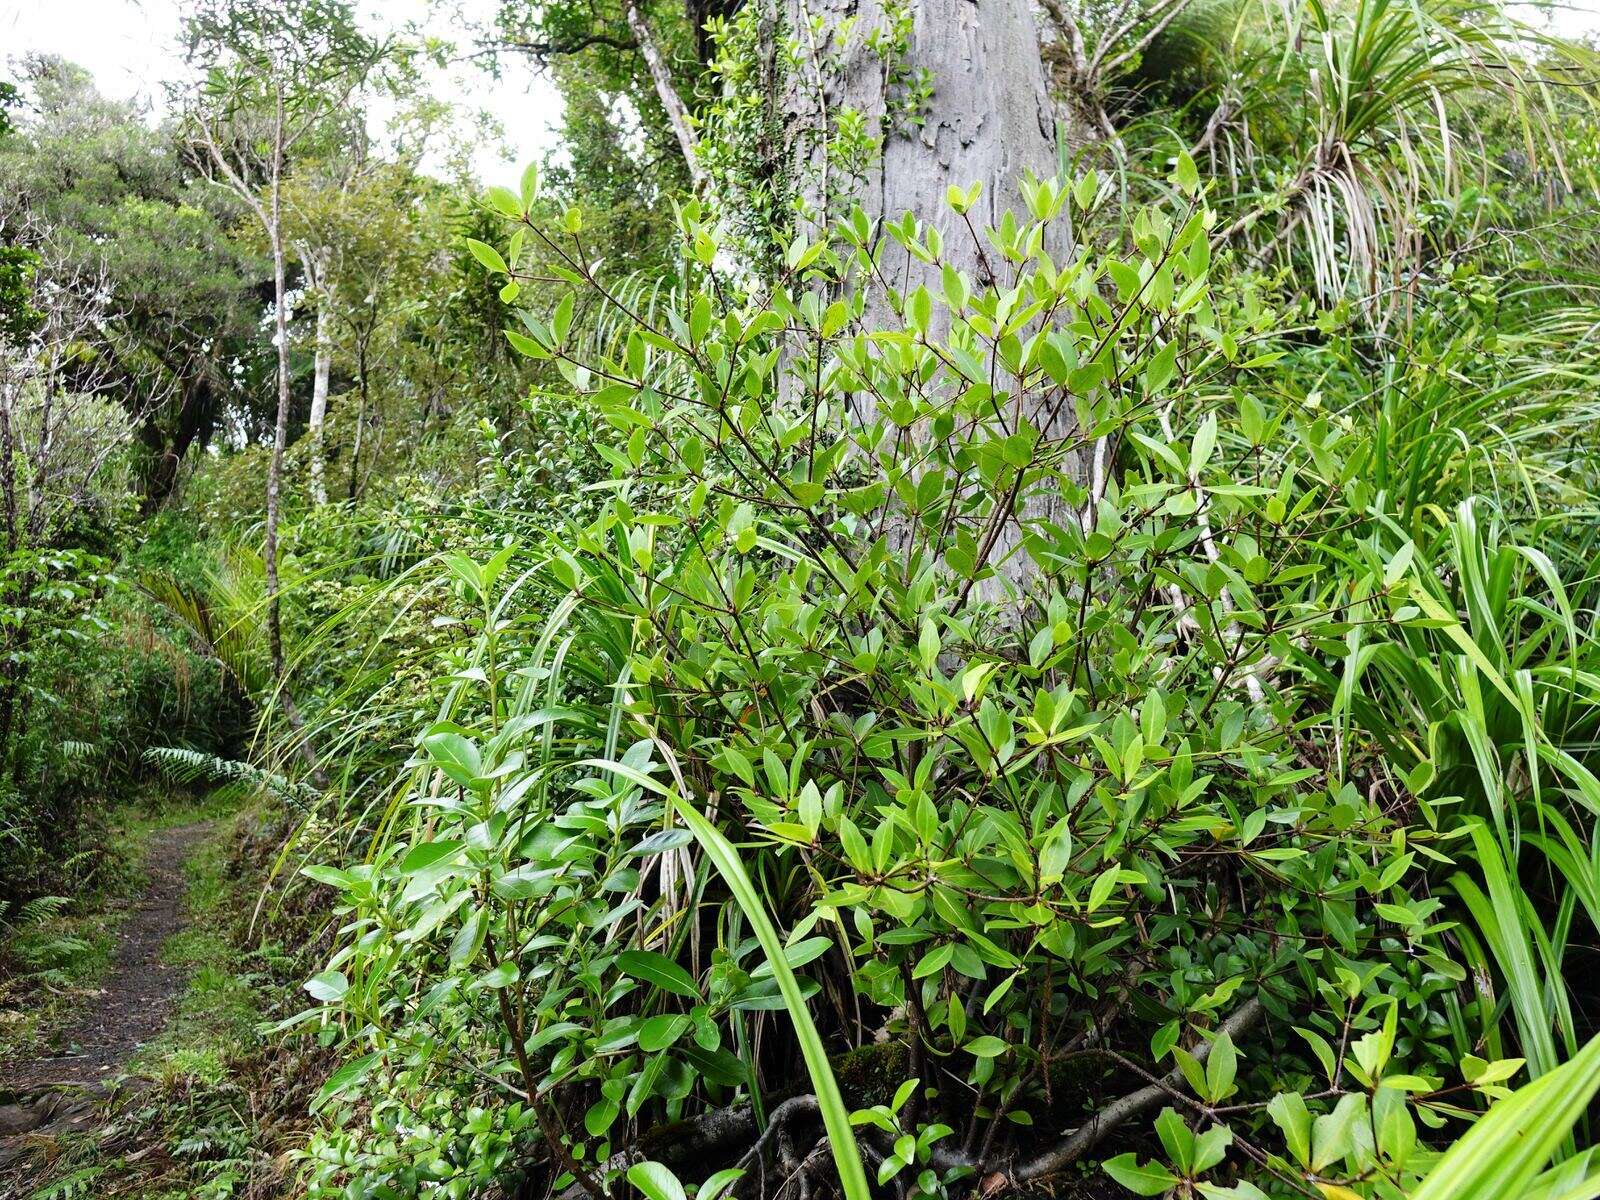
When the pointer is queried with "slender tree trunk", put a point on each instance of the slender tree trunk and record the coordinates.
(280, 441)
(8, 471)
(16, 712)
(667, 93)
(361, 413)
(10, 667)
(317, 264)
(13, 677)
(319, 396)
(280, 437)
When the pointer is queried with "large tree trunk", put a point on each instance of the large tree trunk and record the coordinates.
(990, 119)
(196, 412)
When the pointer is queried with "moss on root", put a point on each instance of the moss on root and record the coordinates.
(870, 1074)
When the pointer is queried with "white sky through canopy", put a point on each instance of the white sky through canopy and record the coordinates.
(131, 48)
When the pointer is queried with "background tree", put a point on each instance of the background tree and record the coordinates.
(62, 431)
(646, 86)
(277, 77)
(381, 263)
(90, 183)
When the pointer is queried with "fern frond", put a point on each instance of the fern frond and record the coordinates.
(41, 909)
(180, 764)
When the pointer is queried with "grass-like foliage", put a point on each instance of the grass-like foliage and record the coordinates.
(1121, 692)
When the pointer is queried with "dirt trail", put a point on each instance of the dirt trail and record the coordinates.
(138, 989)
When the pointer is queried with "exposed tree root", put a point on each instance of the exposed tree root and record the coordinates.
(790, 1158)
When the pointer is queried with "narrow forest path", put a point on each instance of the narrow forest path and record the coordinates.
(136, 995)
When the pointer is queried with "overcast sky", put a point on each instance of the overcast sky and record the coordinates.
(1570, 18)
(131, 46)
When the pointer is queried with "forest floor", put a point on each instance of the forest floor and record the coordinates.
(138, 991)
(148, 1067)
(55, 1081)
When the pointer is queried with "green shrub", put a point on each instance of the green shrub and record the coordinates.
(1026, 640)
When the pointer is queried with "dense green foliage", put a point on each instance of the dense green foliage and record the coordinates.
(929, 704)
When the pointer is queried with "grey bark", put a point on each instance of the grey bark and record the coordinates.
(1093, 1131)
(667, 93)
(317, 265)
(280, 440)
(270, 214)
(991, 119)
(319, 402)
(711, 1135)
